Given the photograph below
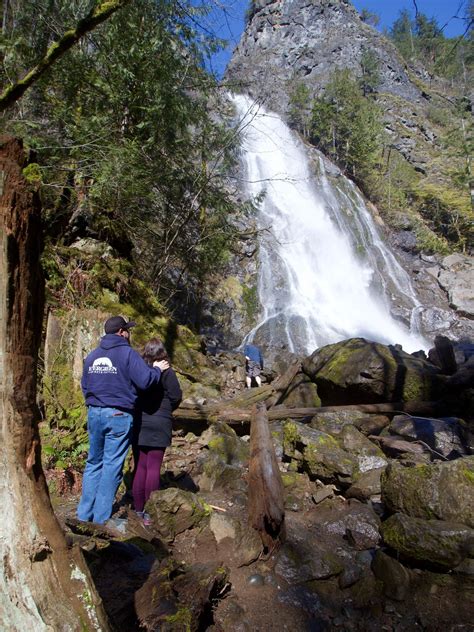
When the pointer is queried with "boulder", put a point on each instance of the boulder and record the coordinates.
(334, 422)
(395, 577)
(436, 542)
(173, 511)
(456, 277)
(221, 440)
(369, 456)
(318, 453)
(301, 393)
(353, 520)
(366, 486)
(300, 562)
(443, 436)
(236, 541)
(437, 490)
(357, 371)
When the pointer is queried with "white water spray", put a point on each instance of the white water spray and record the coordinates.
(325, 274)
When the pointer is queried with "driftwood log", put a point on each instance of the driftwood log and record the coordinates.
(266, 502)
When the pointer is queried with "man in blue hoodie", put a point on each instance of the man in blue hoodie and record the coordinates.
(113, 373)
(253, 365)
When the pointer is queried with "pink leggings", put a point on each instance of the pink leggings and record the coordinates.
(147, 473)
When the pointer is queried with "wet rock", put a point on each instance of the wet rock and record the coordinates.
(436, 542)
(442, 435)
(357, 371)
(436, 490)
(173, 511)
(395, 577)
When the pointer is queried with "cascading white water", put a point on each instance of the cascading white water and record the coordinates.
(325, 274)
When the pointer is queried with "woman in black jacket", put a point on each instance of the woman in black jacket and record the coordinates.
(153, 427)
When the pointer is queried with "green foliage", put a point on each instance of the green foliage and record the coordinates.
(370, 17)
(370, 77)
(299, 112)
(347, 126)
(130, 154)
(423, 40)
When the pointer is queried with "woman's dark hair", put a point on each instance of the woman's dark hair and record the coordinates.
(154, 351)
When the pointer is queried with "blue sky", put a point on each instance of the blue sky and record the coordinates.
(228, 23)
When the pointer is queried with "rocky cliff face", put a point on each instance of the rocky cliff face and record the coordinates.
(290, 41)
(308, 39)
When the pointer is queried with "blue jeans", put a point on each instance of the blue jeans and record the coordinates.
(109, 438)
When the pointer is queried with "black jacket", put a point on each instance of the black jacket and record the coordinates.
(154, 421)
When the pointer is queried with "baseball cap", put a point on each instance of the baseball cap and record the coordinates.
(112, 325)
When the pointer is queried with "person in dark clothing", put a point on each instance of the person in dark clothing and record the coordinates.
(253, 365)
(153, 431)
(112, 376)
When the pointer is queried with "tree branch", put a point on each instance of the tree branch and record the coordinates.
(97, 15)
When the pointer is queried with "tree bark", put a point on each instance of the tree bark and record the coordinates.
(43, 586)
(266, 502)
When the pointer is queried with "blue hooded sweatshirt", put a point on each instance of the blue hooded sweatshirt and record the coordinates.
(253, 353)
(114, 372)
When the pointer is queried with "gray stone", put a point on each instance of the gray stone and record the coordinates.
(437, 542)
(367, 485)
(442, 435)
(395, 577)
(443, 490)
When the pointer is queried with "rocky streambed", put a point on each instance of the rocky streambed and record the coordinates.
(379, 519)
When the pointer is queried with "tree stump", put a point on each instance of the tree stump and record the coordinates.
(266, 496)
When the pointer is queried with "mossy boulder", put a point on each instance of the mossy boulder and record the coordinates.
(436, 542)
(369, 456)
(334, 422)
(302, 393)
(317, 453)
(174, 510)
(222, 440)
(331, 458)
(357, 371)
(442, 490)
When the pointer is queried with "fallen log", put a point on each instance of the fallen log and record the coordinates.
(266, 503)
(238, 416)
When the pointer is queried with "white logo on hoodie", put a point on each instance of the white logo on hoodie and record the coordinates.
(102, 365)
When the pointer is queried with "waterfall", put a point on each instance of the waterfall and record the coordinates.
(325, 273)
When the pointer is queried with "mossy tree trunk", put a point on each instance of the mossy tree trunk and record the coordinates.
(44, 585)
